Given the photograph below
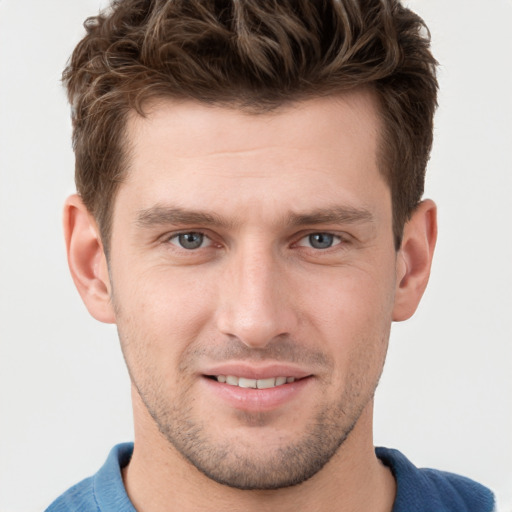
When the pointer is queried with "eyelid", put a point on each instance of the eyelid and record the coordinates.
(169, 237)
(339, 239)
(342, 241)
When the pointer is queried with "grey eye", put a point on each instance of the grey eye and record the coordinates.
(189, 241)
(321, 240)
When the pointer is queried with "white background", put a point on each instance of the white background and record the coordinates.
(446, 395)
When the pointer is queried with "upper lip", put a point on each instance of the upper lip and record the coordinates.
(253, 371)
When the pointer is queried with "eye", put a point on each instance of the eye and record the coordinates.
(320, 240)
(190, 241)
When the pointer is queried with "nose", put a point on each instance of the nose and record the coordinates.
(255, 303)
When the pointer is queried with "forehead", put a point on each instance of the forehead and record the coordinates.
(351, 115)
(300, 155)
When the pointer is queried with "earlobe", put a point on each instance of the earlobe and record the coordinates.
(414, 259)
(86, 259)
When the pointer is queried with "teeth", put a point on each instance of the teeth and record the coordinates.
(266, 383)
(247, 383)
(254, 383)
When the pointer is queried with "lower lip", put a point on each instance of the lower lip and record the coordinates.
(257, 400)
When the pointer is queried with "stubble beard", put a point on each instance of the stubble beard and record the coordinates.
(233, 463)
(229, 463)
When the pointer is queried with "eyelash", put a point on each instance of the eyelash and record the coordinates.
(337, 240)
(176, 237)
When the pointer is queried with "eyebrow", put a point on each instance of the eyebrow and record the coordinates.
(164, 215)
(335, 215)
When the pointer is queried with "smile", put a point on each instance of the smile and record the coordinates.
(254, 389)
(243, 382)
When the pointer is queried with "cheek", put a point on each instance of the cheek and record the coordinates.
(160, 311)
(350, 313)
(348, 299)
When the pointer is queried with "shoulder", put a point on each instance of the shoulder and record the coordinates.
(429, 489)
(80, 497)
(102, 492)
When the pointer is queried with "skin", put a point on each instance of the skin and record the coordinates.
(258, 296)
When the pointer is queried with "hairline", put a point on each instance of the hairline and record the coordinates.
(143, 109)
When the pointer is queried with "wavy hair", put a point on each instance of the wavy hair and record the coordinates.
(254, 55)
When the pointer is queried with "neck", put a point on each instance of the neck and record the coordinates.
(159, 479)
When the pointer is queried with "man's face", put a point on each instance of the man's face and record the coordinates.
(257, 250)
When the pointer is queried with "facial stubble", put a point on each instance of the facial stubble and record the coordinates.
(234, 462)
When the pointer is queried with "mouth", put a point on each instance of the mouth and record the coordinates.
(257, 390)
(256, 387)
(244, 382)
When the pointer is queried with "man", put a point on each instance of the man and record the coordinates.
(249, 214)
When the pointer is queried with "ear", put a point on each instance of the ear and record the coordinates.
(86, 260)
(414, 259)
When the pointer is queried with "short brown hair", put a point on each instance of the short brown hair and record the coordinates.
(254, 55)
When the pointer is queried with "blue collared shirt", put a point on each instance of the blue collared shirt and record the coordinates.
(418, 490)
